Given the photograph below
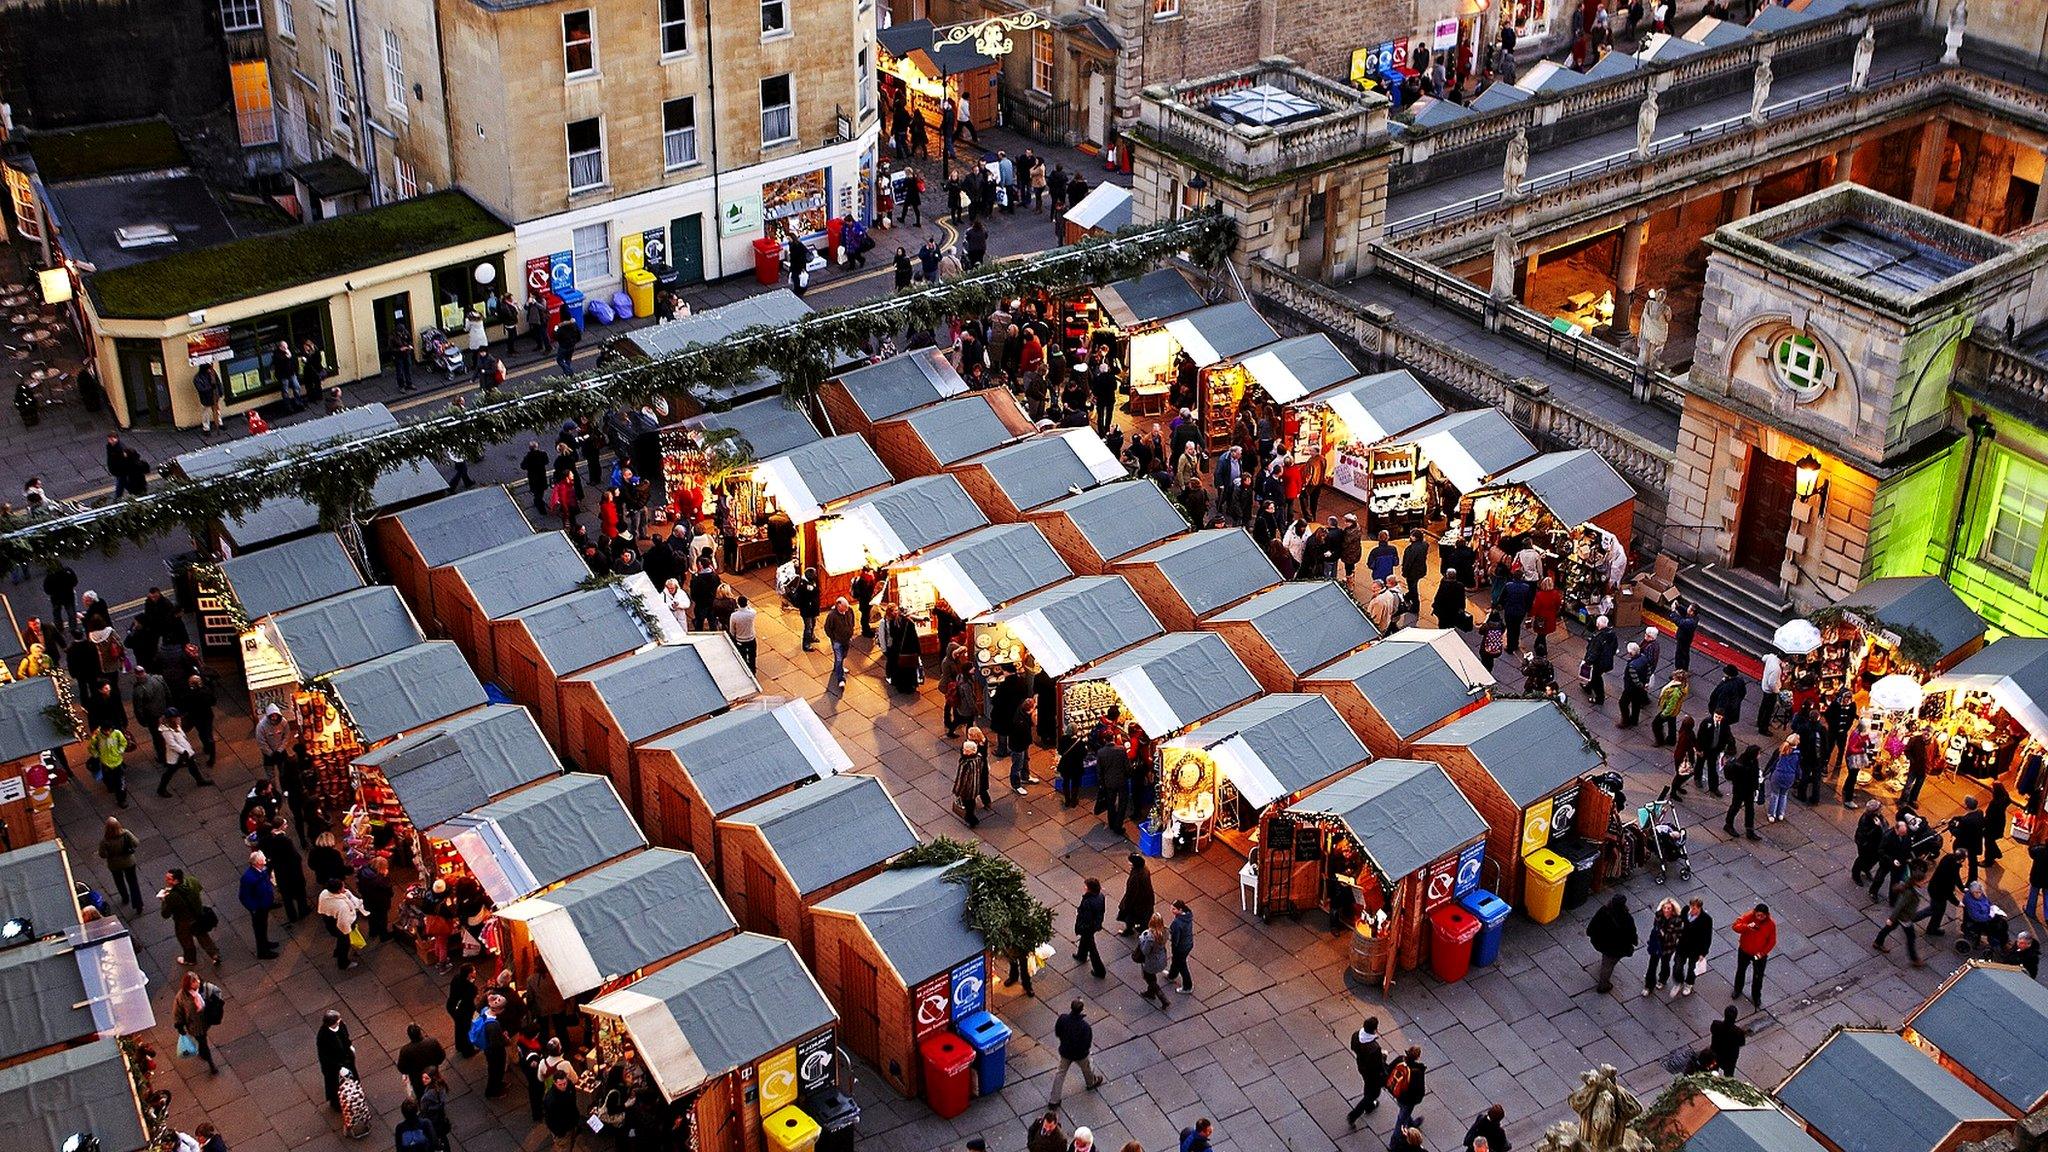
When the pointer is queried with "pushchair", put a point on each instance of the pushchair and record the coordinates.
(440, 352)
(1665, 838)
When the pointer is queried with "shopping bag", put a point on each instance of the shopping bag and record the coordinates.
(187, 1046)
(356, 939)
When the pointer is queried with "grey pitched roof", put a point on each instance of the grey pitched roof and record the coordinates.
(1527, 746)
(290, 574)
(656, 690)
(836, 469)
(231, 454)
(1874, 1092)
(42, 998)
(1752, 1130)
(283, 516)
(441, 772)
(408, 689)
(770, 426)
(1440, 113)
(778, 306)
(46, 1101)
(463, 524)
(1308, 622)
(329, 635)
(522, 572)
(1106, 206)
(1041, 469)
(1467, 447)
(736, 1002)
(1289, 369)
(1212, 568)
(35, 882)
(918, 916)
(1498, 95)
(737, 758)
(1409, 684)
(1298, 736)
(563, 826)
(643, 909)
(1118, 519)
(1157, 295)
(25, 729)
(1089, 617)
(1924, 602)
(1194, 675)
(993, 566)
(1576, 485)
(902, 382)
(1406, 814)
(1993, 1022)
(959, 428)
(917, 514)
(580, 629)
(824, 832)
(1221, 332)
(900, 40)
(1380, 405)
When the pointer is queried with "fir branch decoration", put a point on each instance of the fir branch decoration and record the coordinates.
(999, 906)
(1917, 646)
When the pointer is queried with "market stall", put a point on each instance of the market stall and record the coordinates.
(1164, 686)
(1988, 1027)
(780, 856)
(615, 923)
(1286, 633)
(1212, 338)
(1527, 767)
(696, 776)
(409, 543)
(1036, 471)
(784, 492)
(1105, 209)
(856, 401)
(1378, 849)
(1447, 459)
(1106, 524)
(36, 885)
(1287, 370)
(977, 572)
(925, 73)
(366, 704)
(928, 440)
(46, 1102)
(1230, 775)
(1897, 625)
(537, 647)
(888, 949)
(775, 308)
(1869, 1089)
(61, 991)
(1575, 508)
(283, 654)
(1190, 576)
(894, 524)
(440, 772)
(536, 838)
(608, 709)
(1989, 714)
(1341, 436)
(470, 593)
(1067, 626)
(1135, 311)
(32, 746)
(731, 1035)
(284, 576)
(1403, 687)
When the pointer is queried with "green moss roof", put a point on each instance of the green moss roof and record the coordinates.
(189, 281)
(83, 153)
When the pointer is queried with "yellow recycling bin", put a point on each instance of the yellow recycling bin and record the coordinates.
(1543, 887)
(793, 1130)
(640, 286)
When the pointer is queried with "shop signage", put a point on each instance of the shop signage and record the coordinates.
(1446, 34)
(933, 1000)
(814, 1063)
(778, 1081)
(970, 987)
(208, 346)
(796, 205)
(632, 251)
(740, 216)
(562, 272)
(1536, 827)
(12, 788)
(1564, 814)
(1352, 475)
(1440, 884)
(1470, 863)
(654, 245)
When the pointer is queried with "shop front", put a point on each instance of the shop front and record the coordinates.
(1914, 626)
(779, 857)
(768, 498)
(33, 745)
(1211, 339)
(977, 573)
(1136, 311)
(858, 400)
(473, 593)
(531, 842)
(615, 924)
(1231, 775)
(1989, 717)
(1067, 626)
(407, 544)
(1036, 471)
(695, 777)
(923, 73)
(932, 439)
(609, 709)
(365, 705)
(1285, 634)
(443, 771)
(1339, 435)
(1095, 529)
(1577, 511)
(893, 525)
(1190, 576)
(1403, 687)
(1158, 689)
(536, 648)
(284, 654)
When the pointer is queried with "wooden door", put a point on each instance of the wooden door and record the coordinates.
(595, 743)
(760, 888)
(860, 1027)
(1768, 489)
(717, 1117)
(675, 818)
(686, 247)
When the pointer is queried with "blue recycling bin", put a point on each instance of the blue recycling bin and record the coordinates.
(572, 307)
(990, 1039)
(1151, 842)
(1492, 912)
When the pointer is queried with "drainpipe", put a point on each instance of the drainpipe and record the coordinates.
(1980, 431)
(366, 138)
(717, 201)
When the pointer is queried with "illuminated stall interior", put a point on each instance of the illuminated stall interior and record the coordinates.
(926, 73)
(1576, 509)
(1284, 371)
(1067, 626)
(1863, 635)
(1136, 311)
(407, 544)
(976, 573)
(1038, 470)
(474, 591)
(1102, 525)
(31, 744)
(935, 437)
(778, 857)
(857, 400)
(536, 838)
(895, 523)
(1163, 686)
(365, 705)
(1286, 633)
(615, 923)
(1188, 577)
(696, 776)
(1227, 776)
(1439, 463)
(1989, 713)
(1402, 687)
(440, 772)
(1213, 337)
(717, 449)
(1346, 428)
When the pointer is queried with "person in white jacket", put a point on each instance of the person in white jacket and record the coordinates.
(343, 909)
(1773, 679)
(177, 752)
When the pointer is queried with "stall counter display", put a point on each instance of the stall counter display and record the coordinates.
(695, 481)
(1389, 480)
(333, 746)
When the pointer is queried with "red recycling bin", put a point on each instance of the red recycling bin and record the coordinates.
(767, 260)
(1450, 952)
(947, 1060)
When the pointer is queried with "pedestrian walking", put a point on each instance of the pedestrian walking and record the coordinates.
(1667, 925)
(1076, 1040)
(461, 1007)
(108, 748)
(1944, 885)
(1967, 833)
(1088, 920)
(966, 780)
(1151, 955)
(1405, 1083)
(198, 1008)
(1045, 1135)
(420, 1053)
(259, 896)
(1181, 938)
(1600, 653)
(1670, 702)
(1135, 907)
(344, 912)
(178, 753)
(336, 1053)
(1712, 741)
(1756, 937)
(413, 1133)
(1198, 1137)
(804, 595)
(1486, 1133)
(1635, 686)
(1695, 938)
(1613, 933)
(1905, 910)
(560, 1111)
(1725, 1041)
(1372, 1068)
(183, 902)
(1783, 775)
(1745, 773)
(117, 849)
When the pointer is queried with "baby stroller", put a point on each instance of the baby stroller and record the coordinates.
(441, 352)
(1665, 838)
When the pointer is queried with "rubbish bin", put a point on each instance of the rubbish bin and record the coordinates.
(1450, 949)
(553, 304)
(1543, 886)
(946, 1061)
(665, 276)
(990, 1039)
(640, 287)
(838, 1118)
(1150, 840)
(1492, 913)
(572, 306)
(767, 260)
(1584, 855)
(791, 1130)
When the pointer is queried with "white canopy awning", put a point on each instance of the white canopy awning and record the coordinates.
(2013, 670)
(1469, 447)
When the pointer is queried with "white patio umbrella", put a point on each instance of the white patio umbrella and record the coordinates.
(1796, 637)
(1896, 693)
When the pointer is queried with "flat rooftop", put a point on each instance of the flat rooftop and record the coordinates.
(1858, 243)
(1855, 250)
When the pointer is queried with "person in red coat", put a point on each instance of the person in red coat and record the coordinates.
(1756, 937)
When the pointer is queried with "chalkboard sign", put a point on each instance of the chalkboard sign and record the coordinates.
(1308, 842)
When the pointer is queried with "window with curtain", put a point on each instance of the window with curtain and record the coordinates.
(679, 133)
(2012, 539)
(586, 154)
(778, 110)
(579, 43)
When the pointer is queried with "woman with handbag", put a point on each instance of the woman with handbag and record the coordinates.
(345, 914)
(1150, 953)
(199, 1007)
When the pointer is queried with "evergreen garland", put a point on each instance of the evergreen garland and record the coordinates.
(1917, 646)
(337, 476)
(999, 906)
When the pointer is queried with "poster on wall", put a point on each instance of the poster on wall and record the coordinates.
(933, 1001)
(654, 246)
(632, 251)
(796, 205)
(814, 1063)
(1470, 862)
(208, 346)
(970, 987)
(1536, 827)
(1564, 814)
(562, 272)
(778, 1081)
(1446, 34)
(1440, 884)
(1352, 475)
(538, 278)
(740, 216)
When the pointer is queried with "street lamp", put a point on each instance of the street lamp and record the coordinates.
(1199, 185)
(1807, 482)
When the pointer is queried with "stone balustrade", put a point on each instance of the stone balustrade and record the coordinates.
(1999, 370)
(1177, 119)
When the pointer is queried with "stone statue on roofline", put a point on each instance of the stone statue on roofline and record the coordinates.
(1866, 50)
(1760, 92)
(1952, 40)
(1516, 166)
(1504, 255)
(1646, 124)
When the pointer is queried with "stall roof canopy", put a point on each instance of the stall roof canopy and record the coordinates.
(705, 1015)
(463, 524)
(1078, 622)
(993, 566)
(1875, 1092)
(287, 575)
(2014, 670)
(1308, 623)
(902, 382)
(1278, 745)
(1106, 206)
(830, 830)
(1176, 680)
(805, 480)
(43, 999)
(908, 518)
(1221, 332)
(1406, 814)
(749, 752)
(1992, 1021)
(329, 635)
(1923, 602)
(1576, 486)
(441, 772)
(549, 832)
(961, 427)
(769, 426)
(900, 40)
(653, 691)
(45, 1102)
(777, 306)
(35, 883)
(1211, 568)
(1468, 447)
(1376, 407)
(1752, 1130)
(1529, 747)
(1292, 368)
(409, 688)
(1119, 519)
(1051, 465)
(25, 725)
(623, 917)
(522, 573)
(918, 916)
(1158, 295)
(1414, 678)
(575, 631)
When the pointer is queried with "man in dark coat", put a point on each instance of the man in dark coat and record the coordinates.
(336, 1052)
(1613, 933)
(1414, 567)
(1487, 1126)
(1112, 780)
(1076, 1041)
(1134, 910)
(1745, 772)
(1372, 1068)
(1870, 830)
(1726, 697)
(1600, 653)
(1726, 1041)
(1088, 918)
